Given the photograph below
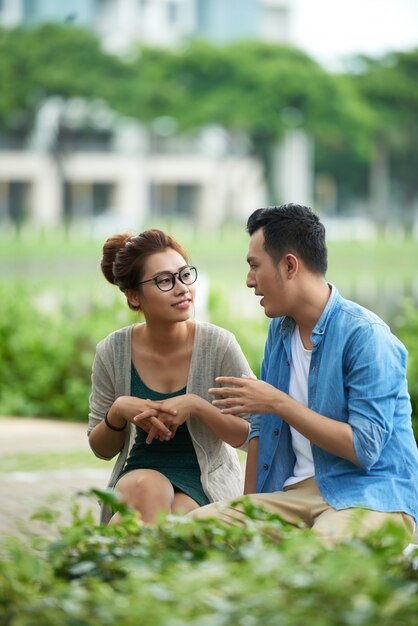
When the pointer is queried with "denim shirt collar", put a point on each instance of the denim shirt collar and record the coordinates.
(288, 323)
(327, 313)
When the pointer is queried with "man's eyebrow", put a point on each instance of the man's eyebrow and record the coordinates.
(251, 259)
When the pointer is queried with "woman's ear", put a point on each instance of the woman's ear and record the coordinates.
(133, 299)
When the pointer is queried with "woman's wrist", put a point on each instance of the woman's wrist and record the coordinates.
(197, 405)
(115, 423)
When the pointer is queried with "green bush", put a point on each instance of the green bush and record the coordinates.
(46, 357)
(202, 573)
(251, 334)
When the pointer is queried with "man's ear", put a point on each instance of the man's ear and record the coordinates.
(291, 265)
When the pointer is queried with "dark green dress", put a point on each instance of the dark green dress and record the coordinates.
(176, 458)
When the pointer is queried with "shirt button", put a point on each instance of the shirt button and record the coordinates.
(276, 431)
(265, 466)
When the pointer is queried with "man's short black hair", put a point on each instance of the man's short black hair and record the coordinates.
(292, 228)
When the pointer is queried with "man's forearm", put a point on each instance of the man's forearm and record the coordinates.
(326, 433)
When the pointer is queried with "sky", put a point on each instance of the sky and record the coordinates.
(330, 30)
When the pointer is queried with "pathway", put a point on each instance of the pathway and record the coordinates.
(23, 493)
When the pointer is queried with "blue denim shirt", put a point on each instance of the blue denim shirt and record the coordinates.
(357, 375)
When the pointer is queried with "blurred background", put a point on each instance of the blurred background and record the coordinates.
(188, 114)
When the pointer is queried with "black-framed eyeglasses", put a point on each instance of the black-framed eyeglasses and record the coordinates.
(166, 280)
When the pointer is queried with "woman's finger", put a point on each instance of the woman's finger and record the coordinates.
(161, 407)
(153, 434)
(144, 415)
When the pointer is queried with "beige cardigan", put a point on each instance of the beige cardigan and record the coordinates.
(215, 353)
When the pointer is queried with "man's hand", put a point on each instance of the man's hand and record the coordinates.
(245, 395)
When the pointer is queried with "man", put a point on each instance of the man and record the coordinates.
(331, 430)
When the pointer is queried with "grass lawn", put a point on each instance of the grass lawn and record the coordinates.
(219, 254)
(51, 461)
(55, 461)
(378, 273)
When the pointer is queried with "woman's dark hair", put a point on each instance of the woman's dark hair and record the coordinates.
(124, 255)
(292, 228)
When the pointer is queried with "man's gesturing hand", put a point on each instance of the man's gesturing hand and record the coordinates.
(245, 395)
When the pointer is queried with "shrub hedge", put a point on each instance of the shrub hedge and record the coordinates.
(46, 356)
(202, 573)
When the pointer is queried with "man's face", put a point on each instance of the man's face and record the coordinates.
(265, 277)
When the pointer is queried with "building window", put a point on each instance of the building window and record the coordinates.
(275, 23)
(18, 201)
(30, 11)
(101, 198)
(174, 200)
(85, 200)
(172, 12)
(14, 201)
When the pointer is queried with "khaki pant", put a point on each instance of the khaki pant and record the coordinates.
(303, 502)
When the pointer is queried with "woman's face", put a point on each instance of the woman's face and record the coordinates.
(177, 304)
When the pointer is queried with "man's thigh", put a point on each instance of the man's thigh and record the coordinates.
(302, 502)
(336, 525)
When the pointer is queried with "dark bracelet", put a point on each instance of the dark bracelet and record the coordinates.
(109, 425)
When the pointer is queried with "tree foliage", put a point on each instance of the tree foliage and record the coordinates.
(257, 88)
(53, 60)
(390, 85)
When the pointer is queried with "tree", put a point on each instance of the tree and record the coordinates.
(390, 86)
(53, 60)
(258, 88)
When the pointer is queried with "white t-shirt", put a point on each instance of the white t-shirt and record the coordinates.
(298, 390)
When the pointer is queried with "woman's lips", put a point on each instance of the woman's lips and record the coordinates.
(183, 304)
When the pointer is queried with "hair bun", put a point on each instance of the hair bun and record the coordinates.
(111, 247)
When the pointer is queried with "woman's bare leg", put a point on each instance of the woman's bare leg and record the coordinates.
(147, 491)
(183, 504)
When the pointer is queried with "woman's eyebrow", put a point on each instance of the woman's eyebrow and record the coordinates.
(169, 271)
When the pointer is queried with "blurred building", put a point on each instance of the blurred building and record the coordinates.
(84, 163)
(119, 23)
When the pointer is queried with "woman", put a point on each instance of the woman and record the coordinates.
(150, 381)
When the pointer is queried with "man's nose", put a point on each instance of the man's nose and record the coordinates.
(250, 282)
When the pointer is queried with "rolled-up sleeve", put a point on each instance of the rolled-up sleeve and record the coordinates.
(376, 375)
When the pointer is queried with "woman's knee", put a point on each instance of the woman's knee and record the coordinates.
(141, 485)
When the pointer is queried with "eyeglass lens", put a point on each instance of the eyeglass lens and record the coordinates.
(166, 281)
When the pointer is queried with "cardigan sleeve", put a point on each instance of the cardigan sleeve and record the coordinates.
(103, 391)
(235, 364)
